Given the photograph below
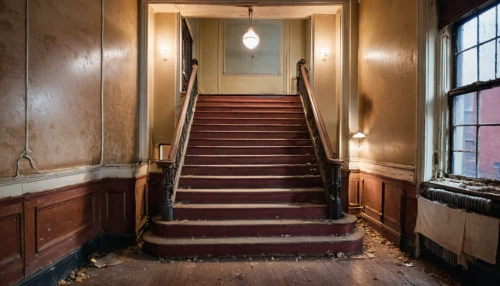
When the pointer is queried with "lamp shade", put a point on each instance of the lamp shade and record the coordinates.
(250, 39)
(359, 135)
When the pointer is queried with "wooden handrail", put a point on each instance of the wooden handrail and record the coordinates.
(172, 164)
(330, 155)
(174, 146)
(328, 164)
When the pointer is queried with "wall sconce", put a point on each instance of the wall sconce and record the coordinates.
(164, 52)
(324, 54)
(359, 135)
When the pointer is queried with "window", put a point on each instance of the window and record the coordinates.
(475, 101)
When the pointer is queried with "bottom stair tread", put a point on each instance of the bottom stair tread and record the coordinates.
(278, 240)
(348, 219)
(248, 206)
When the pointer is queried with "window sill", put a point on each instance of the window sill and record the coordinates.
(473, 188)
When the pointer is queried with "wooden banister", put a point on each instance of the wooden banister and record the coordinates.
(329, 165)
(171, 165)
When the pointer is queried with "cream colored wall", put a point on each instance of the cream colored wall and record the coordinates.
(324, 79)
(213, 81)
(387, 80)
(165, 78)
(151, 77)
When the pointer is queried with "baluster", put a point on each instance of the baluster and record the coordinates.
(167, 208)
(335, 204)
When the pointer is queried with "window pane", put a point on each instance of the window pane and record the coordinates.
(489, 104)
(487, 23)
(467, 67)
(487, 61)
(464, 164)
(489, 155)
(467, 35)
(464, 109)
(464, 138)
(498, 58)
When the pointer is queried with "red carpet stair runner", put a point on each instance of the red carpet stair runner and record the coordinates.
(250, 185)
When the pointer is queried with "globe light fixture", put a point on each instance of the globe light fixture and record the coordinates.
(250, 39)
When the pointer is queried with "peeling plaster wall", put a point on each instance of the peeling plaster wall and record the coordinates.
(64, 101)
(388, 80)
(12, 79)
(64, 77)
(212, 80)
(120, 81)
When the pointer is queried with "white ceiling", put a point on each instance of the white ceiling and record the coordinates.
(235, 12)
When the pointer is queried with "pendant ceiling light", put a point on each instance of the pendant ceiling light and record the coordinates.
(250, 39)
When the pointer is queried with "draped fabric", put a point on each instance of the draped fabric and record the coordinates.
(451, 10)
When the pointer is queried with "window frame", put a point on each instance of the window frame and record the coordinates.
(475, 87)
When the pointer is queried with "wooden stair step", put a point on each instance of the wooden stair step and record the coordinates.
(249, 211)
(234, 120)
(242, 228)
(268, 195)
(249, 127)
(248, 159)
(228, 182)
(249, 98)
(249, 150)
(250, 134)
(251, 170)
(244, 108)
(219, 103)
(248, 142)
(247, 114)
(290, 245)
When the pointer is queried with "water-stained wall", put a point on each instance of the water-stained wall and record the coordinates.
(388, 80)
(64, 83)
(120, 81)
(64, 73)
(12, 80)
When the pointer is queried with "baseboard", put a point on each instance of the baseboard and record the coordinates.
(61, 268)
(408, 246)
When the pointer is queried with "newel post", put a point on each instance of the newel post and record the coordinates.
(335, 210)
(167, 206)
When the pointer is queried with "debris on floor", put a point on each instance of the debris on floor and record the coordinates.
(77, 275)
(109, 260)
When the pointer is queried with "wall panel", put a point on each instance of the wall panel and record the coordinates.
(11, 238)
(118, 205)
(390, 207)
(58, 221)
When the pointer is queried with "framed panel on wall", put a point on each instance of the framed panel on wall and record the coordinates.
(263, 59)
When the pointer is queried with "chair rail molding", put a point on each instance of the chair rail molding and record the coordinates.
(12, 187)
(389, 170)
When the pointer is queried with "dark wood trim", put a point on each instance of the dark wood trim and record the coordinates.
(40, 228)
(396, 218)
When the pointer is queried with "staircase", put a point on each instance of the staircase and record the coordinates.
(250, 185)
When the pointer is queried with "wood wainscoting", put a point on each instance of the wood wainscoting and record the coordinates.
(389, 206)
(40, 229)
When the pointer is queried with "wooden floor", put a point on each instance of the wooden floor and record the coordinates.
(386, 268)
